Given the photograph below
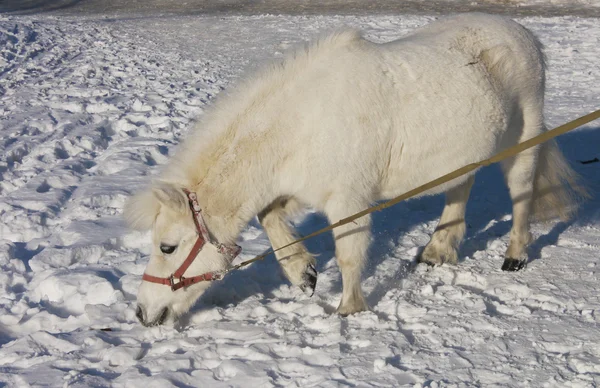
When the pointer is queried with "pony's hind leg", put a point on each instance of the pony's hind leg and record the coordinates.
(443, 246)
(519, 172)
(297, 263)
(351, 244)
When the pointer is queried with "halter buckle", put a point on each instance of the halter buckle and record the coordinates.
(218, 275)
(193, 199)
(229, 250)
(175, 286)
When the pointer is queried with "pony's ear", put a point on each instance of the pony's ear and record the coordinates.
(170, 196)
(141, 210)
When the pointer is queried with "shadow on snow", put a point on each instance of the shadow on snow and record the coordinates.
(23, 7)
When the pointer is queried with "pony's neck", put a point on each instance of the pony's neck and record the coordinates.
(233, 186)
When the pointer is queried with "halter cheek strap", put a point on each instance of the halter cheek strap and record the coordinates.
(176, 280)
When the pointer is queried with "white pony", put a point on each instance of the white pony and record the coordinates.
(345, 122)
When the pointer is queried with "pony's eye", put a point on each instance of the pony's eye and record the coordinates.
(164, 248)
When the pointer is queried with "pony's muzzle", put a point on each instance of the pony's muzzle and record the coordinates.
(140, 313)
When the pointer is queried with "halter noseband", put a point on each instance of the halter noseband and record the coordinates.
(176, 280)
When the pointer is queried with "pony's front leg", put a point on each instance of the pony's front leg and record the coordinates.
(297, 263)
(351, 243)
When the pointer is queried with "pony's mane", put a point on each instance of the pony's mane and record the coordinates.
(218, 127)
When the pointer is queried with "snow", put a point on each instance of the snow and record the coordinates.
(90, 110)
(153, 8)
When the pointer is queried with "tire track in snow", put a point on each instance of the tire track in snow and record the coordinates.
(77, 113)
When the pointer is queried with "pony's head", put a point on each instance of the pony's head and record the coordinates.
(165, 210)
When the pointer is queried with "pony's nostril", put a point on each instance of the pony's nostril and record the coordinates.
(139, 313)
(163, 316)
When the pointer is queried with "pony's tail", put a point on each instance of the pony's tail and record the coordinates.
(557, 191)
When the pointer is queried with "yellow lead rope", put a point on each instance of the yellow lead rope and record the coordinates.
(511, 151)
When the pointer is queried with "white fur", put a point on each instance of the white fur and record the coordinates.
(343, 123)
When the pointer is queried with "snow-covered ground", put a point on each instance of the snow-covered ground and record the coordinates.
(121, 8)
(89, 110)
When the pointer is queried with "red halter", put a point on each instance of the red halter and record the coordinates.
(176, 280)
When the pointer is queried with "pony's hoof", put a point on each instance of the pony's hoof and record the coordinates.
(352, 308)
(434, 257)
(430, 260)
(430, 263)
(309, 280)
(513, 264)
